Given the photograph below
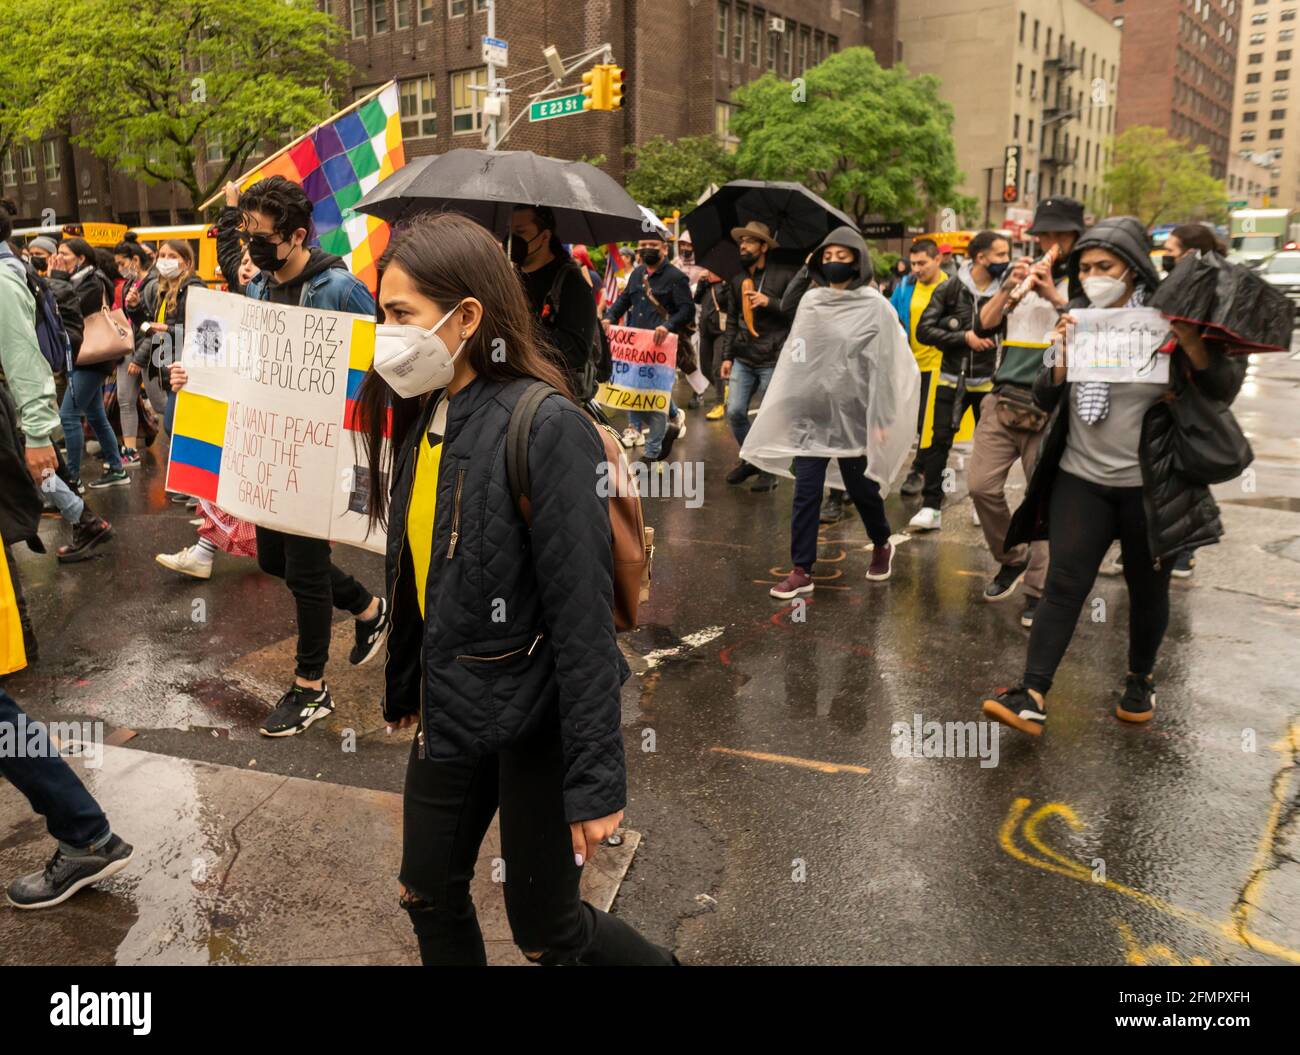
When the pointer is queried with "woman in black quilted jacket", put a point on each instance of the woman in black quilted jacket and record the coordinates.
(502, 650)
(1104, 472)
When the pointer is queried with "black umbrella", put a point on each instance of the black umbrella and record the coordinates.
(1231, 302)
(797, 218)
(590, 207)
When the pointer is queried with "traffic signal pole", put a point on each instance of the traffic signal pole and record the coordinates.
(605, 52)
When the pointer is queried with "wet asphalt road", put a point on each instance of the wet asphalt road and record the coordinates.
(779, 824)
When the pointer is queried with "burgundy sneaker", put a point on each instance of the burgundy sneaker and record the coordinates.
(797, 582)
(882, 562)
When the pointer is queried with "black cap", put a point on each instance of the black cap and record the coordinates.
(1058, 214)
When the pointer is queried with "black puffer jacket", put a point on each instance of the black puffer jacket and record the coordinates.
(20, 502)
(518, 623)
(1179, 515)
(953, 310)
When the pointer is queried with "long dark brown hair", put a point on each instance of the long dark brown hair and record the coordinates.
(449, 257)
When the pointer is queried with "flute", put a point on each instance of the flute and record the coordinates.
(1018, 294)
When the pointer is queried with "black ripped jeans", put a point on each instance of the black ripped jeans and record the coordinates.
(318, 587)
(447, 807)
(1084, 518)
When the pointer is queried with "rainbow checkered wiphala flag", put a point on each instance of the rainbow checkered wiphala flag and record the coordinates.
(337, 162)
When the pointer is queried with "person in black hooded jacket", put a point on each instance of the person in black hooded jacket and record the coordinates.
(502, 653)
(1105, 471)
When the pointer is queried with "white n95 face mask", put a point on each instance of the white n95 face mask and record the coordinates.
(414, 360)
(1103, 291)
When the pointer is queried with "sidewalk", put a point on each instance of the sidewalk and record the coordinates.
(235, 866)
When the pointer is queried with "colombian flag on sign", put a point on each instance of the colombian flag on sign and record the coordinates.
(198, 437)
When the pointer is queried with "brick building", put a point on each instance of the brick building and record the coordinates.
(682, 59)
(1178, 68)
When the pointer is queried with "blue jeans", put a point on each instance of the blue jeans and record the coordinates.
(656, 423)
(85, 398)
(63, 498)
(55, 792)
(746, 383)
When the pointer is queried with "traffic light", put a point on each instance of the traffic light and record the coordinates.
(614, 87)
(593, 89)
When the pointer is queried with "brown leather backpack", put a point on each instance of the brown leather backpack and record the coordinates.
(632, 543)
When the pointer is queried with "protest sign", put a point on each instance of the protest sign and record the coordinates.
(643, 372)
(265, 426)
(1117, 345)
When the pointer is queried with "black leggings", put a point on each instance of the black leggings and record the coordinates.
(447, 807)
(1084, 519)
(318, 587)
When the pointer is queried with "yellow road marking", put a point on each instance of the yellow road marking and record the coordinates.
(1289, 746)
(790, 760)
(1233, 930)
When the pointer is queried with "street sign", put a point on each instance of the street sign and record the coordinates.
(1011, 182)
(494, 52)
(1237, 204)
(562, 106)
(882, 230)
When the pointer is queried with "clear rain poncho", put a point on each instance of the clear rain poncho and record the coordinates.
(846, 385)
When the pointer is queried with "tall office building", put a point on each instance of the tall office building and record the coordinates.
(1040, 75)
(1266, 120)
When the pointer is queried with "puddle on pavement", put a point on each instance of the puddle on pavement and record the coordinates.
(1281, 503)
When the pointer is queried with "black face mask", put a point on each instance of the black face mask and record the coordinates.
(839, 271)
(518, 248)
(749, 259)
(1168, 263)
(40, 263)
(651, 257)
(262, 251)
(999, 269)
(687, 255)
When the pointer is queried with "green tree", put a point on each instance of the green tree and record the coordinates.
(672, 174)
(872, 142)
(157, 86)
(1160, 179)
(25, 31)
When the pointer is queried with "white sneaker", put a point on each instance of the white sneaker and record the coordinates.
(187, 562)
(680, 422)
(632, 437)
(926, 520)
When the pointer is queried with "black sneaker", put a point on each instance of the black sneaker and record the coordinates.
(913, 485)
(120, 478)
(763, 482)
(1018, 709)
(671, 433)
(78, 486)
(65, 875)
(833, 508)
(1184, 564)
(179, 500)
(742, 472)
(296, 711)
(1139, 701)
(1029, 611)
(89, 533)
(1005, 582)
(370, 636)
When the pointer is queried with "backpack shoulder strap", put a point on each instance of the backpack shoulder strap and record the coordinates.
(517, 434)
(557, 286)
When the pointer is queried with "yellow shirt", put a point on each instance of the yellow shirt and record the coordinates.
(424, 497)
(927, 357)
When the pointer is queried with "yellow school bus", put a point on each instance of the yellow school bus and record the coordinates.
(96, 233)
(202, 238)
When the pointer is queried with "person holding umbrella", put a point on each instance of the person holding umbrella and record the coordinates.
(756, 333)
(1105, 470)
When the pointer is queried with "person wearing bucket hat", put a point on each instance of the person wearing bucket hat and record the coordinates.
(1010, 427)
(756, 333)
(1106, 470)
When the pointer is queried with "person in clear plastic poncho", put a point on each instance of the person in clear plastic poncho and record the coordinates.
(841, 407)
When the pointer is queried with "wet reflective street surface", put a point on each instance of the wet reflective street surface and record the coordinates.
(788, 801)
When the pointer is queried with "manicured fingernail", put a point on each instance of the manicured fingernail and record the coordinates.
(577, 860)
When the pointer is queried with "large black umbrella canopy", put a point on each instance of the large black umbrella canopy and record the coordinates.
(797, 218)
(590, 207)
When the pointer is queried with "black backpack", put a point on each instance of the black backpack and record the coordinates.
(600, 360)
(50, 333)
